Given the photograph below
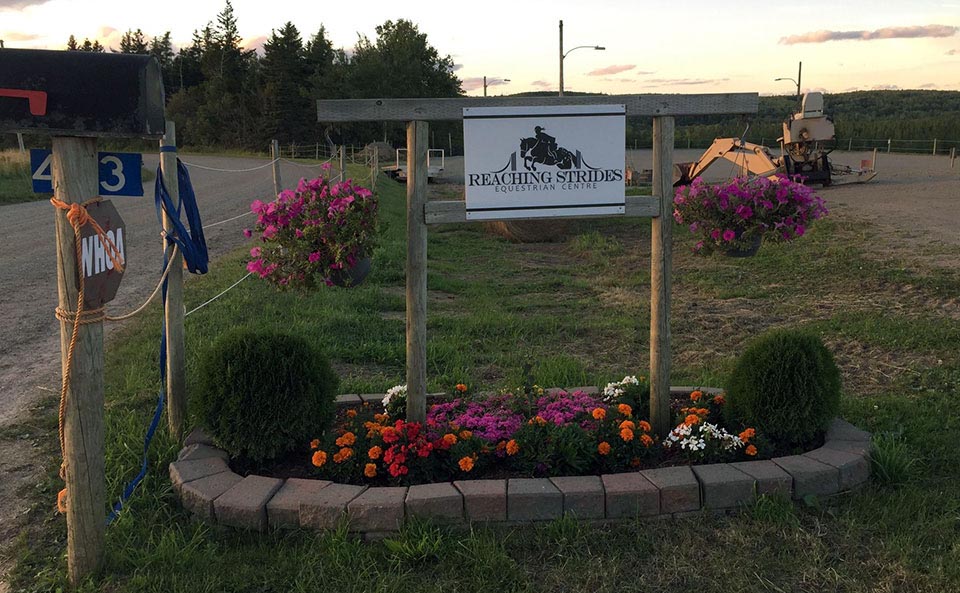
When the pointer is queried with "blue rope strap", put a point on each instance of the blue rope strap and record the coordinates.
(193, 246)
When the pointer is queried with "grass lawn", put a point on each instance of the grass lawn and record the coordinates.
(578, 310)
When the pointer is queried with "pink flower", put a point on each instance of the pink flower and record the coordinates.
(255, 252)
(314, 257)
(729, 235)
(247, 233)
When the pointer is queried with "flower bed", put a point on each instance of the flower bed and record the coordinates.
(534, 434)
(207, 487)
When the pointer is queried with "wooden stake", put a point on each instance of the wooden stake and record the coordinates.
(934, 147)
(874, 159)
(275, 156)
(75, 180)
(417, 137)
(343, 163)
(953, 156)
(661, 254)
(376, 169)
(173, 310)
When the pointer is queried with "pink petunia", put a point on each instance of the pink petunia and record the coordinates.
(729, 235)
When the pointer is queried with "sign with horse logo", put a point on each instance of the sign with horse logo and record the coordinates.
(544, 162)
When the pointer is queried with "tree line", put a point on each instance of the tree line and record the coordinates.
(224, 96)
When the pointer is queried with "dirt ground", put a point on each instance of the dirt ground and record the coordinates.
(913, 207)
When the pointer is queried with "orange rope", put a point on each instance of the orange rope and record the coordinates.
(78, 216)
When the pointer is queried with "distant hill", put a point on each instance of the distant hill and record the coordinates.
(899, 115)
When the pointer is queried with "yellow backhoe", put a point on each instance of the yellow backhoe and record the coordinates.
(808, 137)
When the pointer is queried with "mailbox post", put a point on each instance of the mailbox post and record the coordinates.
(77, 97)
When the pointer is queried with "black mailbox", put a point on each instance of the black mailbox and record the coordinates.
(76, 93)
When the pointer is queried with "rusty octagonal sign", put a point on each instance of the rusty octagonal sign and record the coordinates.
(101, 279)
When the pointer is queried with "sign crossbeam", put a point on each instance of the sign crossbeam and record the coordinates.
(654, 105)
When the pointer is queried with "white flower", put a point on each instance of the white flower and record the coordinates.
(395, 391)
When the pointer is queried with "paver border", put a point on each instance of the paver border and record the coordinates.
(841, 464)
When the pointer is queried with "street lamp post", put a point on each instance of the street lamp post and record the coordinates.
(492, 81)
(796, 82)
(564, 55)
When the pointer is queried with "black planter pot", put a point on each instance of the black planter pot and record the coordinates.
(354, 276)
(748, 251)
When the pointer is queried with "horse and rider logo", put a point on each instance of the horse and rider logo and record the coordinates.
(542, 149)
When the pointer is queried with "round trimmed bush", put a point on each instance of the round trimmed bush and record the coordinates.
(262, 394)
(787, 385)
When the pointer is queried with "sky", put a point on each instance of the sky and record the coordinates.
(678, 46)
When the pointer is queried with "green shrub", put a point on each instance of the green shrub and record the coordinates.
(262, 394)
(786, 385)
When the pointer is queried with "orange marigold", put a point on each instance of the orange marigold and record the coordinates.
(319, 458)
(461, 387)
(719, 399)
(625, 409)
(747, 434)
(344, 454)
(646, 440)
(691, 419)
(696, 395)
(370, 470)
(351, 413)
(626, 434)
(539, 420)
(598, 413)
(512, 447)
(465, 434)
(314, 444)
(645, 426)
(375, 452)
(449, 439)
(628, 424)
(703, 411)
(466, 463)
(603, 448)
(751, 450)
(347, 440)
(381, 417)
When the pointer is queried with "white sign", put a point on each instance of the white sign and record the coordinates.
(544, 162)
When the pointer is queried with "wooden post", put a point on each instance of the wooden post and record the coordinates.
(75, 180)
(953, 156)
(661, 254)
(417, 137)
(173, 313)
(874, 159)
(317, 157)
(376, 169)
(934, 147)
(343, 162)
(20, 142)
(889, 145)
(275, 156)
(850, 145)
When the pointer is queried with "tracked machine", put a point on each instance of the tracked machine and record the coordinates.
(808, 139)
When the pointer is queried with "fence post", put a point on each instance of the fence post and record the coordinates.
(173, 309)
(20, 142)
(417, 139)
(874, 159)
(953, 156)
(317, 157)
(661, 254)
(275, 156)
(75, 180)
(376, 169)
(889, 143)
(850, 145)
(343, 162)
(934, 147)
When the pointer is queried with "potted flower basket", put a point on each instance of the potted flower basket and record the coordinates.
(734, 218)
(317, 234)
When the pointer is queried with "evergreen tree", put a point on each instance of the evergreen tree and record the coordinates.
(72, 44)
(133, 42)
(286, 100)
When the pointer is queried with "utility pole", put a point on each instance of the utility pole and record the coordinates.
(561, 57)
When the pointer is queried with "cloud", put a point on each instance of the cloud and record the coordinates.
(611, 70)
(885, 33)
(885, 87)
(476, 82)
(19, 4)
(254, 43)
(625, 80)
(541, 83)
(929, 85)
(456, 67)
(683, 81)
(18, 36)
